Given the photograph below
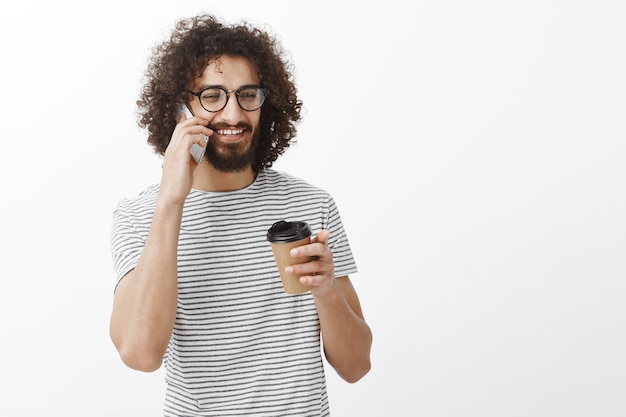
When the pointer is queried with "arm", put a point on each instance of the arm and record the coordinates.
(346, 336)
(144, 305)
(145, 301)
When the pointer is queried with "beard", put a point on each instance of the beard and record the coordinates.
(232, 157)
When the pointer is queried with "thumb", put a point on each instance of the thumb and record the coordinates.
(322, 236)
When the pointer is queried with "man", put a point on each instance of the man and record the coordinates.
(197, 285)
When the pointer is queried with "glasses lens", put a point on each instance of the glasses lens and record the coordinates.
(213, 99)
(251, 98)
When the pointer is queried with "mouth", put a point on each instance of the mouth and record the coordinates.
(229, 134)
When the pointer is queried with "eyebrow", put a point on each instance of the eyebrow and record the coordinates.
(205, 86)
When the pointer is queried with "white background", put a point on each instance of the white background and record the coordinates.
(476, 150)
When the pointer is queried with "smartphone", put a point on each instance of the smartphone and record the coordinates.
(196, 151)
(184, 109)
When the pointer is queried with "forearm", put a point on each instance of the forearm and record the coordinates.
(145, 302)
(346, 336)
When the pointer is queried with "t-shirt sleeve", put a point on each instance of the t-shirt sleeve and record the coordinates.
(126, 243)
(339, 243)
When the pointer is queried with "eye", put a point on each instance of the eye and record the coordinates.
(211, 95)
(249, 94)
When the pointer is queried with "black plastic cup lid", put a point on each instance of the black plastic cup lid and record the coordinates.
(284, 232)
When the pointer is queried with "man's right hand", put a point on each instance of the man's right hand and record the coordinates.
(178, 165)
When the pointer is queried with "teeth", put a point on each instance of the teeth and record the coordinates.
(230, 131)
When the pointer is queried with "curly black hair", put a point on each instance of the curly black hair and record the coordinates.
(194, 43)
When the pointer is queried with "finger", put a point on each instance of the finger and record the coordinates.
(311, 281)
(313, 267)
(193, 120)
(200, 139)
(317, 247)
(316, 280)
(203, 131)
(197, 134)
(322, 236)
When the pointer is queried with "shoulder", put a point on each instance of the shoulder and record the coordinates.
(146, 199)
(270, 178)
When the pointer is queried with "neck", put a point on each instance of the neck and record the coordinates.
(207, 178)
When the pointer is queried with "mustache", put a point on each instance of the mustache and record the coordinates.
(217, 126)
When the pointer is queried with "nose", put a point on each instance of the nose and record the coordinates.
(231, 113)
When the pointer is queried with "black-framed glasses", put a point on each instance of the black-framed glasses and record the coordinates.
(214, 99)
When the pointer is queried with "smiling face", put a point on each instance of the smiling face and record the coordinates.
(234, 141)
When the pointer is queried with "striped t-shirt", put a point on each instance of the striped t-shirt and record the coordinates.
(240, 344)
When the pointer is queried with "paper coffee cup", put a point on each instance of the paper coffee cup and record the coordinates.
(284, 236)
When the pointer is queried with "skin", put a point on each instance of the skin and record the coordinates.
(144, 307)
